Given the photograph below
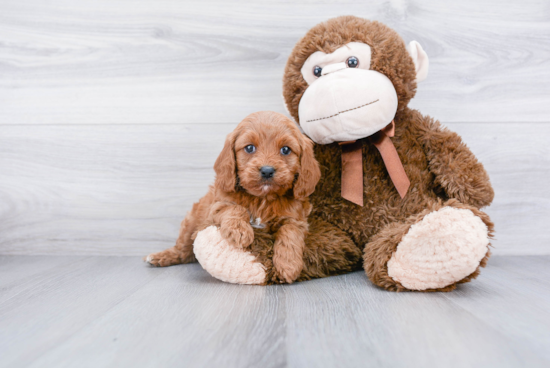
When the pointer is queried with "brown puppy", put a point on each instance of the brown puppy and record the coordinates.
(264, 175)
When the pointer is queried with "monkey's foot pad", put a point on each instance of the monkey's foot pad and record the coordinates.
(225, 262)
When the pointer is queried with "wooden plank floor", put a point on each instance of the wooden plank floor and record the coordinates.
(99, 311)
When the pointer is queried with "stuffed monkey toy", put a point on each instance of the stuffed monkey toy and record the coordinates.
(399, 195)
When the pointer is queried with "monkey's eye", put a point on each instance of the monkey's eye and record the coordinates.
(317, 71)
(352, 62)
(285, 151)
(250, 148)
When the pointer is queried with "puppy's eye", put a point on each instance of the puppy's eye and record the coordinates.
(285, 150)
(317, 71)
(352, 62)
(250, 148)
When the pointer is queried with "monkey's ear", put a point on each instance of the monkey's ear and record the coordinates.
(420, 59)
(225, 166)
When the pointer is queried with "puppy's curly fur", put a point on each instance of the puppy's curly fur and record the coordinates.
(241, 196)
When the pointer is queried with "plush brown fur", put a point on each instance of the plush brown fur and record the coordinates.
(441, 168)
(240, 195)
(328, 252)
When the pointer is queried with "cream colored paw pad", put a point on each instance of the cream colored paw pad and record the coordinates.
(225, 262)
(443, 248)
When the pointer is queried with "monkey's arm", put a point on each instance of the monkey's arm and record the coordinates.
(455, 167)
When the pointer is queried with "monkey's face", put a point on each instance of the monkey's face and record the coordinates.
(347, 78)
(345, 100)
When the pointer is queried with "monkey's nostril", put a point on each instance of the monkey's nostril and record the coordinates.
(267, 172)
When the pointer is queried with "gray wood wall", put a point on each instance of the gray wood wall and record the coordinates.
(113, 112)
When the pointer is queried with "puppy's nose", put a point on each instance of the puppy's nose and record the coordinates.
(267, 172)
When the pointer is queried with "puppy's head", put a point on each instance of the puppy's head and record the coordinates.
(267, 154)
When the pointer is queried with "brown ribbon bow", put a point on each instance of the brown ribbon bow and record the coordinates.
(352, 165)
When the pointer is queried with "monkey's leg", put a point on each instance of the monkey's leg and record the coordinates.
(229, 263)
(435, 250)
(328, 251)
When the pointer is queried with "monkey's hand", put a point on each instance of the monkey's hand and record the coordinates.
(455, 167)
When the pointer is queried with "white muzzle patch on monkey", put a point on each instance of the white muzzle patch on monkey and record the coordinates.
(347, 104)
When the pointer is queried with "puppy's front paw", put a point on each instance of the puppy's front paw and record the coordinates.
(237, 232)
(287, 269)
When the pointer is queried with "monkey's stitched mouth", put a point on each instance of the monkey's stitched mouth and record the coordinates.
(341, 112)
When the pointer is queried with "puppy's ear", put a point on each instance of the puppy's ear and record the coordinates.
(225, 167)
(309, 173)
